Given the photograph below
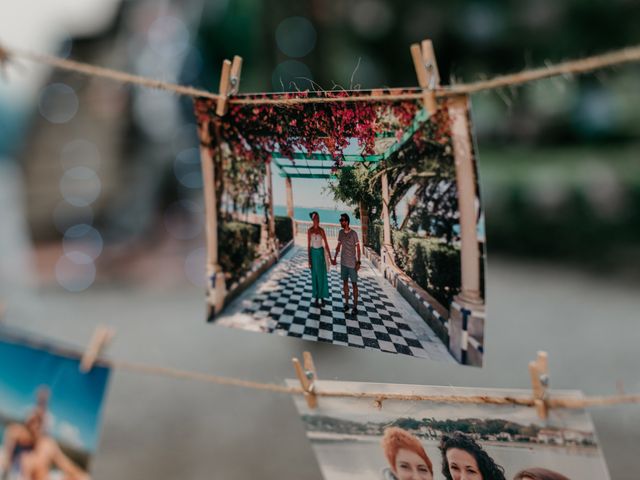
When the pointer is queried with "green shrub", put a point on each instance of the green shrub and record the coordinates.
(400, 240)
(284, 229)
(433, 265)
(374, 239)
(237, 248)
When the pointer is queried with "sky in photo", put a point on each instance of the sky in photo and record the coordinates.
(76, 398)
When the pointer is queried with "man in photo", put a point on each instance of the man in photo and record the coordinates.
(349, 244)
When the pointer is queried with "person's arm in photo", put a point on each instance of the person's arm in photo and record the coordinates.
(335, 259)
(66, 465)
(8, 447)
(358, 263)
(309, 246)
(326, 243)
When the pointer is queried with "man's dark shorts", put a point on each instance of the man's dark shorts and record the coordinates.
(348, 273)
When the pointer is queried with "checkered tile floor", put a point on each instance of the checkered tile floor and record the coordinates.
(284, 305)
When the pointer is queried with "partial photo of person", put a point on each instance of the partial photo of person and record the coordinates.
(318, 249)
(464, 459)
(539, 474)
(406, 456)
(28, 453)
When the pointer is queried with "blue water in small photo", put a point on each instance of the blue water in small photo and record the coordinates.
(326, 215)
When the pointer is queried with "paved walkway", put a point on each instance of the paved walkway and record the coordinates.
(280, 302)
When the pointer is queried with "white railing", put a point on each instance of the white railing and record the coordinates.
(331, 229)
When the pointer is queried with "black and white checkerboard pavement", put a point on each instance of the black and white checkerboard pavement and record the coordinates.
(281, 302)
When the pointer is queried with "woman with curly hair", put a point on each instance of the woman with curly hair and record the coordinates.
(539, 474)
(464, 459)
(406, 456)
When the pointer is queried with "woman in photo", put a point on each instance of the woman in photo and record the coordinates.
(464, 459)
(406, 456)
(539, 474)
(318, 249)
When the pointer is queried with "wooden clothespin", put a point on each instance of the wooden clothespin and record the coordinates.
(424, 61)
(307, 377)
(539, 371)
(229, 83)
(101, 337)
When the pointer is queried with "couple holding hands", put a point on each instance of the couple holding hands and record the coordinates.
(320, 260)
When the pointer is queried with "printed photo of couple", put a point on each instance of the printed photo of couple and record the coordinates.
(49, 412)
(426, 440)
(367, 232)
(321, 259)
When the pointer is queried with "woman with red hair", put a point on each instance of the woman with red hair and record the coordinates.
(406, 456)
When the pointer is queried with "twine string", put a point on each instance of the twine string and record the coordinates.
(525, 401)
(589, 64)
(564, 69)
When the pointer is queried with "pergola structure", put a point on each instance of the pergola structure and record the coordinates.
(466, 316)
(318, 165)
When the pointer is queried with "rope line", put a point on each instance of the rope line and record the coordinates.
(526, 401)
(101, 72)
(585, 65)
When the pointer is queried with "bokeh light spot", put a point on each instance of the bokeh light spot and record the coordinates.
(58, 103)
(75, 271)
(296, 36)
(80, 186)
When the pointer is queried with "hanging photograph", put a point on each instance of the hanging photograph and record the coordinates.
(356, 223)
(49, 410)
(353, 438)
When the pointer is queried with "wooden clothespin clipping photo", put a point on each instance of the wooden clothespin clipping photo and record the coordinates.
(424, 61)
(539, 371)
(307, 376)
(229, 83)
(102, 336)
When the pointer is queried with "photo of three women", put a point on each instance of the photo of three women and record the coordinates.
(462, 459)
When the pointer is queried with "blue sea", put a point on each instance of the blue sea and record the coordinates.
(326, 215)
(332, 216)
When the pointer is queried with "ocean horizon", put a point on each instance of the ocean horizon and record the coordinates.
(327, 215)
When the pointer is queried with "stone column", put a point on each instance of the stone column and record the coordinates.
(466, 322)
(273, 242)
(290, 211)
(386, 230)
(364, 223)
(216, 286)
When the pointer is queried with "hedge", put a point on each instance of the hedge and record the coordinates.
(374, 237)
(433, 265)
(238, 244)
(284, 229)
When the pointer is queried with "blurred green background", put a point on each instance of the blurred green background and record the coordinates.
(559, 159)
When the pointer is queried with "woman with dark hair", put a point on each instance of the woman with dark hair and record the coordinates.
(406, 456)
(539, 474)
(318, 249)
(464, 459)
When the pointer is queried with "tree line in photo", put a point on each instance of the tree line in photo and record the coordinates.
(497, 430)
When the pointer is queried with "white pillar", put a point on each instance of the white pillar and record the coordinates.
(290, 211)
(467, 314)
(466, 184)
(386, 249)
(386, 234)
(216, 286)
(273, 242)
